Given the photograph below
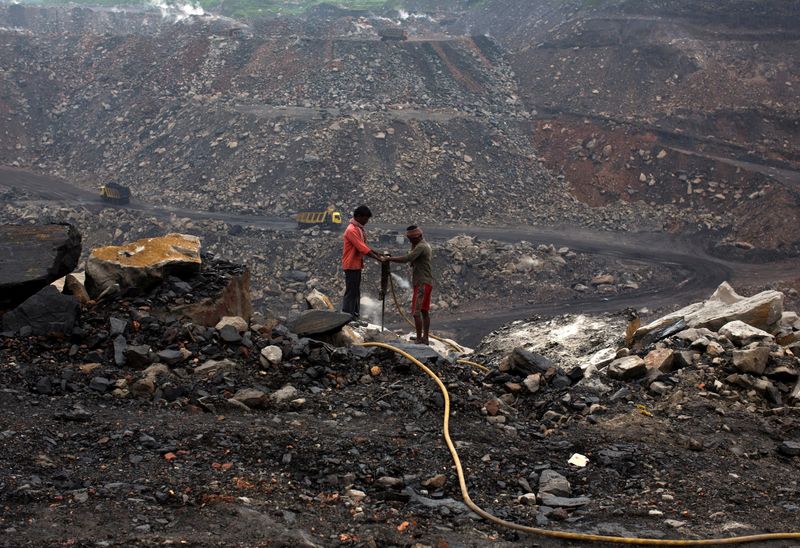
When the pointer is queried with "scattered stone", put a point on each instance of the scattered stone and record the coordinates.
(117, 326)
(288, 392)
(229, 334)
(172, 357)
(627, 368)
(789, 448)
(435, 482)
(212, 367)
(531, 382)
(318, 301)
(270, 356)
(563, 502)
(603, 279)
(660, 359)
(389, 482)
(251, 397)
(553, 483)
(752, 360)
(139, 356)
(238, 323)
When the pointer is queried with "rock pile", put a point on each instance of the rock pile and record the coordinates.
(731, 346)
(283, 120)
(244, 412)
(749, 343)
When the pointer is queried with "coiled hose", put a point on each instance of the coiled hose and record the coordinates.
(547, 532)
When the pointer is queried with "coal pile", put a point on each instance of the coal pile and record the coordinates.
(278, 120)
(174, 430)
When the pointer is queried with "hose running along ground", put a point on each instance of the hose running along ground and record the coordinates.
(552, 533)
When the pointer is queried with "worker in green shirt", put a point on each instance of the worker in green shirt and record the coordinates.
(419, 258)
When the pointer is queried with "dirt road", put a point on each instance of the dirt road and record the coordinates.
(702, 272)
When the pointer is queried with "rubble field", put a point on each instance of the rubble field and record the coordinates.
(142, 414)
(175, 372)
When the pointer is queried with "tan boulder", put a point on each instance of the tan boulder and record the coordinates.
(751, 360)
(318, 301)
(742, 334)
(142, 264)
(660, 359)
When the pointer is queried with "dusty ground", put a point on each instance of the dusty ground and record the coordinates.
(129, 472)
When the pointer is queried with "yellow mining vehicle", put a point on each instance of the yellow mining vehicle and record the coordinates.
(330, 218)
(115, 193)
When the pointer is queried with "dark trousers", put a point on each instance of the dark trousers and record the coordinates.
(352, 292)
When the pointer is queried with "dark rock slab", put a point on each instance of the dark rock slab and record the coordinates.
(528, 362)
(563, 502)
(789, 448)
(46, 312)
(34, 256)
(139, 356)
(319, 322)
(422, 352)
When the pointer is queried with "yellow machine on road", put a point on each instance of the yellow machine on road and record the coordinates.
(115, 193)
(330, 218)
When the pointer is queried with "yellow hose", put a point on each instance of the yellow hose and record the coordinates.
(547, 532)
(451, 344)
(475, 365)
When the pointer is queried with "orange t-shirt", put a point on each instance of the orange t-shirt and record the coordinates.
(355, 246)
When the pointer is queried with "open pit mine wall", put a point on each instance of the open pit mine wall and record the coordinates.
(273, 122)
(695, 104)
(294, 113)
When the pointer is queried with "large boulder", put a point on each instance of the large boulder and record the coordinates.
(47, 312)
(762, 311)
(138, 266)
(34, 256)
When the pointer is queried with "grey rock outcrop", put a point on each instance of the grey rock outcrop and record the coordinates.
(725, 305)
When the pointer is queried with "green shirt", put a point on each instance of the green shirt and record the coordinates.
(420, 258)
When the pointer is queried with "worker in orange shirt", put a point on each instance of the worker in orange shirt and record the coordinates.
(355, 247)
